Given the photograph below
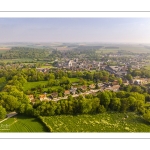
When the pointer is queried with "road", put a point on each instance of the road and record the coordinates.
(76, 95)
(11, 114)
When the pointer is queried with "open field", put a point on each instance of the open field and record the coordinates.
(16, 60)
(130, 48)
(106, 122)
(22, 124)
(4, 48)
(30, 85)
(74, 80)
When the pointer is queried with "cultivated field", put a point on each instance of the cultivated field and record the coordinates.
(22, 124)
(130, 48)
(107, 122)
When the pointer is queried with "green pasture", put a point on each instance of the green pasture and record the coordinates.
(22, 124)
(30, 85)
(106, 122)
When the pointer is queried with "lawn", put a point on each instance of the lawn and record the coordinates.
(22, 124)
(72, 80)
(29, 85)
(106, 122)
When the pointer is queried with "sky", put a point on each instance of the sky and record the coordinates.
(107, 30)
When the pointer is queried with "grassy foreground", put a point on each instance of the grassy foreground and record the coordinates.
(22, 124)
(106, 122)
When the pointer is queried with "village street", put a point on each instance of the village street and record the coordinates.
(76, 95)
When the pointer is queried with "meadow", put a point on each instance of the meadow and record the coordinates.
(30, 85)
(22, 124)
(106, 122)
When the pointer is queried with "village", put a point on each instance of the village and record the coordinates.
(121, 70)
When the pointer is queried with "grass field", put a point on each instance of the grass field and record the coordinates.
(16, 60)
(30, 85)
(74, 80)
(22, 124)
(106, 122)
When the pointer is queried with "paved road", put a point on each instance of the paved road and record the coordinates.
(9, 116)
(76, 95)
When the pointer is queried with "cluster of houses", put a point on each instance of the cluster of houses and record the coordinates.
(75, 64)
(112, 86)
(91, 89)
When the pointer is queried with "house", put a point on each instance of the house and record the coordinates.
(115, 82)
(125, 82)
(43, 97)
(137, 82)
(119, 71)
(112, 69)
(31, 97)
(83, 88)
(33, 101)
(100, 85)
(92, 86)
(115, 88)
(67, 92)
(73, 90)
(54, 95)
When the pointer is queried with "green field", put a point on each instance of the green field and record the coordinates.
(132, 48)
(74, 80)
(16, 60)
(106, 122)
(22, 124)
(29, 85)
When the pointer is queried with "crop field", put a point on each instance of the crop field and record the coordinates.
(22, 124)
(131, 48)
(106, 122)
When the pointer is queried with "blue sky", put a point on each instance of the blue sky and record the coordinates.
(111, 30)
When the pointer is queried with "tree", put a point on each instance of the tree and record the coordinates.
(95, 105)
(2, 112)
(86, 106)
(132, 103)
(11, 103)
(129, 77)
(124, 104)
(101, 109)
(115, 104)
(105, 99)
(146, 116)
(120, 81)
